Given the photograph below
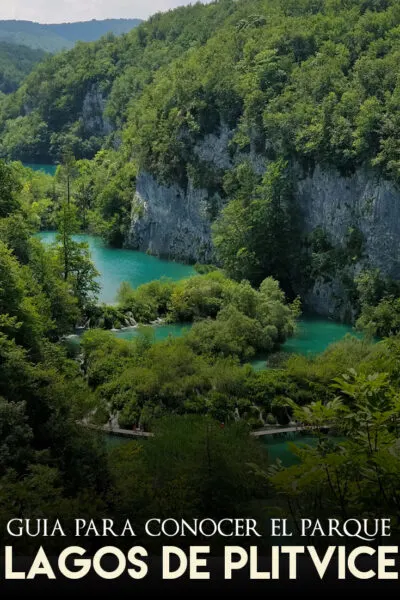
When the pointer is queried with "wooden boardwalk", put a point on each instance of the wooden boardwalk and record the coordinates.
(136, 433)
(292, 429)
(132, 433)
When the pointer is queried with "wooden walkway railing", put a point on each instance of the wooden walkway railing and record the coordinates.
(137, 433)
(291, 429)
(133, 433)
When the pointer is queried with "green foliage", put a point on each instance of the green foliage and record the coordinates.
(315, 85)
(349, 477)
(36, 290)
(114, 68)
(15, 436)
(9, 186)
(379, 303)
(105, 356)
(383, 319)
(16, 62)
(249, 322)
(103, 193)
(230, 318)
(149, 301)
(191, 468)
(318, 85)
(44, 456)
(256, 234)
(296, 83)
(232, 333)
(24, 138)
(45, 266)
(198, 297)
(328, 260)
(39, 197)
(74, 257)
(142, 380)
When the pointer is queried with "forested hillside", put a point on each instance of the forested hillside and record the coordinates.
(315, 78)
(90, 31)
(56, 37)
(16, 62)
(259, 138)
(33, 35)
(251, 113)
(64, 101)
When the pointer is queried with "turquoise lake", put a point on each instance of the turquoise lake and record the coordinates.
(116, 265)
(49, 169)
(313, 334)
(160, 332)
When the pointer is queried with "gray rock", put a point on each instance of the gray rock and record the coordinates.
(337, 204)
(364, 201)
(213, 148)
(170, 222)
(93, 118)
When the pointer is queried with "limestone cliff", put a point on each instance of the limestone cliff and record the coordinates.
(169, 221)
(338, 205)
(173, 222)
(92, 114)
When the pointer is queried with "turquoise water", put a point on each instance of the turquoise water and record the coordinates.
(116, 265)
(160, 332)
(278, 447)
(326, 334)
(313, 336)
(49, 169)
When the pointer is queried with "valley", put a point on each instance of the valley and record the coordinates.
(212, 201)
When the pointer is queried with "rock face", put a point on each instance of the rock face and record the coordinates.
(364, 201)
(338, 205)
(172, 222)
(93, 107)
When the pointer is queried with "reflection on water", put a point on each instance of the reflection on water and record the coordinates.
(313, 336)
(116, 265)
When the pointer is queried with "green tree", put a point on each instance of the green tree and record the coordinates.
(44, 263)
(15, 436)
(74, 257)
(358, 474)
(67, 172)
(9, 187)
(256, 234)
(192, 467)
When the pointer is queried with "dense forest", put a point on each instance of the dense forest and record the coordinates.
(53, 37)
(292, 85)
(295, 84)
(16, 62)
(315, 78)
(181, 389)
(90, 31)
(113, 68)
